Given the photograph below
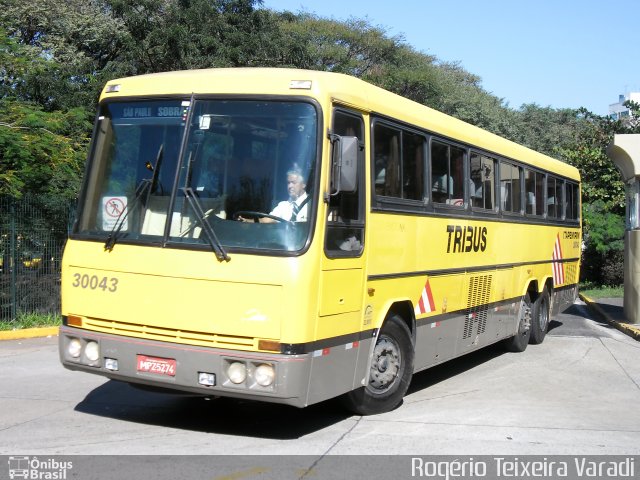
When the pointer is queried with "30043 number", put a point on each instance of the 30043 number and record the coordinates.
(106, 284)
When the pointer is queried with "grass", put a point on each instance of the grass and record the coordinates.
(32, 320)
(593, 291)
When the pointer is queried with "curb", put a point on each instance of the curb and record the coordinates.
(29, 333)
(627, 328)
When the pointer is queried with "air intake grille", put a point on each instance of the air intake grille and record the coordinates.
(571, 275)
(477, 305)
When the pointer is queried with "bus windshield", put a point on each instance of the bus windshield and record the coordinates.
(170, 171)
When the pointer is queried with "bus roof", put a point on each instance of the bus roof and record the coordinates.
(341, 88)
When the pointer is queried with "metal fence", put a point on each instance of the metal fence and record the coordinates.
(33, 231)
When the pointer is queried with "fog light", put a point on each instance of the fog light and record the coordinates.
(237, 372)
(92, 351)
(111, 364)
(264, 375)
(207, 379)
(74, 347)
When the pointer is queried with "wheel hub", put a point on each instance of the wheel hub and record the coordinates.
(385, 365)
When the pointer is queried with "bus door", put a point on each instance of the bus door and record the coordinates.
(342, 273)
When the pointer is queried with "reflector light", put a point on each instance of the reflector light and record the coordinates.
(270, 345)
(300, 84)
(74, 321)
(112, 88)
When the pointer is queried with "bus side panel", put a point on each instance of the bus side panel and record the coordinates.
(436, 339)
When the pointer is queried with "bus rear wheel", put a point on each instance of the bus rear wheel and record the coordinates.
(390, 373)
(540, 318)
(519, 342)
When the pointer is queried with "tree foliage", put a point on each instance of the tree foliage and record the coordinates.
(56, 56)
(41, 152)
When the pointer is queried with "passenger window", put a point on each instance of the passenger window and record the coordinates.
(413, 166)
(386, 153)
(554, 197)
(560, 198)
(573, 201)
(398, 163)
(510, 190)
(534, 192)
(345, 222)
(482, 181)
(447, 174)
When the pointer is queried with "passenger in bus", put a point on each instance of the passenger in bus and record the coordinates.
(294, 209)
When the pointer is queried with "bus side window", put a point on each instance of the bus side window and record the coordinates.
(482, 185)
(447, 174)
(386, 153)
(553, 210)
(534, 193)
(412, 166)
(510, 192)
(398, 163)
(573, 201)
(345, 221)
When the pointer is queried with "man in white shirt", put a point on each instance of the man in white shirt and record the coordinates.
(295, 208)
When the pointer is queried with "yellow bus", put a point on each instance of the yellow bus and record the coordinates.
(291, 236)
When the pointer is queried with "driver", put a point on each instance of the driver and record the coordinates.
(295, 208)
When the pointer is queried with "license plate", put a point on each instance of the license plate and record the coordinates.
(160, 366)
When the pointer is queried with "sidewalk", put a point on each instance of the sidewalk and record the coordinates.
(29, 333)
(611, 311)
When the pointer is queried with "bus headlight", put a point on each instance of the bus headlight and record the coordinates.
(265, 375)
(92, 351)
(237, 372)
(74, 348)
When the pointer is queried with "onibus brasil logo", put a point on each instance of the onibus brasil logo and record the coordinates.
(38, 469)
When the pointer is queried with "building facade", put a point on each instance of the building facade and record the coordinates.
(618, 111)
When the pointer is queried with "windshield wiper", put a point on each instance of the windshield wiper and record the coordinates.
(146, 186)
(194, 203)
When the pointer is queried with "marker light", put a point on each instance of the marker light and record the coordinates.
(207, 379)
(264, 375)
(237, 372)
(74, 347)
(300, 84)
(111, 364)
(92, 351)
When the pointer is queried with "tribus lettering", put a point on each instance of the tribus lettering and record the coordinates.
(466, 239)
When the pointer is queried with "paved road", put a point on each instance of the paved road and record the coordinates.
(578, 393)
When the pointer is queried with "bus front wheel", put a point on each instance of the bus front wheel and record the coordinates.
(390, 373)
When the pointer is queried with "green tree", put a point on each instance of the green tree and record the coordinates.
(75, 44)
(41, 152)
(178, 34)
(588, 152)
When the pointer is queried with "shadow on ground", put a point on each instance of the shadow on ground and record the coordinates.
(231, 416)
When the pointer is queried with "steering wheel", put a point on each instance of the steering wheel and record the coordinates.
(260, 215)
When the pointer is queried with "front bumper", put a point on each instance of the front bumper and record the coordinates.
(187, 363)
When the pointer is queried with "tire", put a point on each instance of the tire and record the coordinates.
(519, 342)
(390, 373)
(540, 316)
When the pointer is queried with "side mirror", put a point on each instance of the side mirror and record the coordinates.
(344, 164)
